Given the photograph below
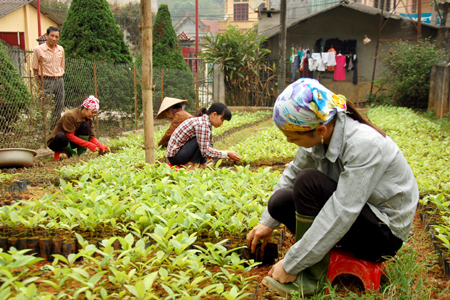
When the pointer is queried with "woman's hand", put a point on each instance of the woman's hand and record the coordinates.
(279, 274)
(232, 155)
(259, 232)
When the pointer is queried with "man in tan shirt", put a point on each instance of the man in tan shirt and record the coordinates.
(52, 57)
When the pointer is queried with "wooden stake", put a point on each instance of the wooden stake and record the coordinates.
(147, 85)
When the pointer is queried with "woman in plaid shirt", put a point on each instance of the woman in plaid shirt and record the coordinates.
(190, 142)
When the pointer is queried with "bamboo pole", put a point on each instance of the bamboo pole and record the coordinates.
(135, 100)
(282, 47)
(43, 102)
(376, 47)
(147, 74)
(359, 72)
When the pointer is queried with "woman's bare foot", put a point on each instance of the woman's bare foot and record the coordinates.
(203, 166)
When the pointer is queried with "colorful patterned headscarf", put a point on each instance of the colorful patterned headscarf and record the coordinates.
(306, 104)
(91, 103)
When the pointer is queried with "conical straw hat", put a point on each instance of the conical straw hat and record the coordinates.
(167, 103)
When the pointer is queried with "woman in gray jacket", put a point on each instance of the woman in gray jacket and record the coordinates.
(348, 185)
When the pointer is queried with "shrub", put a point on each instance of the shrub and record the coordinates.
(14, 95)
(242, 58)
(90, 32)
(406, 80)
(167, 55)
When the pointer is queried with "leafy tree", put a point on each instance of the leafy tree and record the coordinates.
(166, 51)
(406, 81)
(14, 95)
(90, 32)
(128, 17)
(167, 55)
(57, 7)
(241, 57)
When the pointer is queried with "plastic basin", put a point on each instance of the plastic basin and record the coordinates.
(16, 157)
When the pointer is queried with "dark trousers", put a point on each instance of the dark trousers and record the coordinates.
(60, 140)
(189, 152)
(368, 238)
(54, 89)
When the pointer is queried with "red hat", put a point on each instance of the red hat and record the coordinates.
(91, 103)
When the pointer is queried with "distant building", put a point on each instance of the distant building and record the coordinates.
(240, 14)
(19, 23)
(185, 30)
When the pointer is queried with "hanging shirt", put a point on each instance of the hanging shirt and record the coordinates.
(330, 66)
(329, 58)
(339, 71)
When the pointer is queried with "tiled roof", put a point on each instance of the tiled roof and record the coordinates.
(42, 38)
(184, 36)
(8, 6)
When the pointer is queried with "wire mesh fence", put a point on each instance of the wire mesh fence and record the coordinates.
(27, 113)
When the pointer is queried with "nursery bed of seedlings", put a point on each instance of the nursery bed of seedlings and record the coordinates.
(127, 230)
(116, 222)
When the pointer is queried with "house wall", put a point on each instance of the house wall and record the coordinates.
(229, 9)
(25, 20)
(357, 24)
(229, 13)
(189, 26)
(266, 22)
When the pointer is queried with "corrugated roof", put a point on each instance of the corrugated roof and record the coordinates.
(9, 6)
(353, 5)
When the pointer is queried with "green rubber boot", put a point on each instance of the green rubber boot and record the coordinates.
(81, 150)
(69, 151)
(308, 281)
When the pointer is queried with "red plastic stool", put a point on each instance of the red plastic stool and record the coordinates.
(176, 167)
(343, 262)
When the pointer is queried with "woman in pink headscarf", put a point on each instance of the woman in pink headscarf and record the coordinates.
(75, 131)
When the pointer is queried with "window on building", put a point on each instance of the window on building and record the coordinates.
(387, 6)
(241, 12)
